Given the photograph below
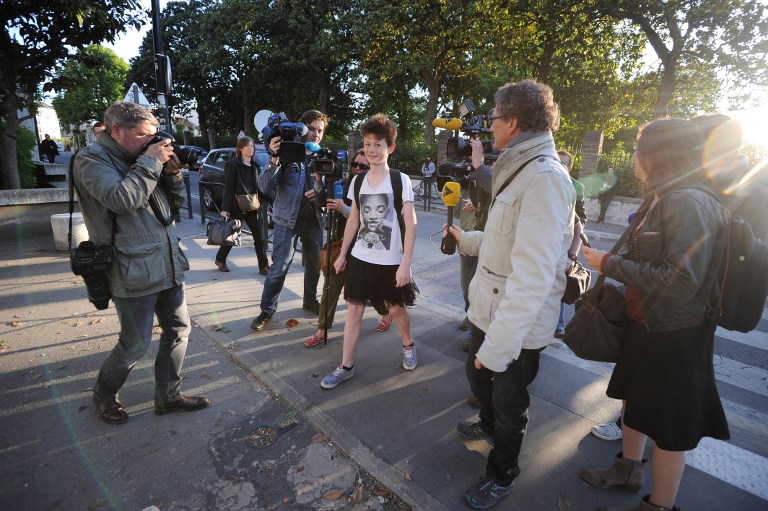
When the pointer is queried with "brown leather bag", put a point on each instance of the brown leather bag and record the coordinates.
(323, 259)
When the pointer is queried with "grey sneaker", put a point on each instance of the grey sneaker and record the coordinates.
(409, 358)
(337, 376)
(607, 431)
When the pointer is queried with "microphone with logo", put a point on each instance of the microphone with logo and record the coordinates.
(451, 195)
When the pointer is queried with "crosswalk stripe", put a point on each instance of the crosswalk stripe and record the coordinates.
(741, 375)
(755, 339)
(734, 465)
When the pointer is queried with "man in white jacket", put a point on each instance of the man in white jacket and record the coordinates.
(515, 294)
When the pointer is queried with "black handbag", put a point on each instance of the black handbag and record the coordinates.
(222, 231)
(577, 283)
(595, 331)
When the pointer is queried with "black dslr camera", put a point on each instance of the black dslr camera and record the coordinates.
(187, 155)
(472, 125)
(325, 163)
(92, 263)
(290, 133)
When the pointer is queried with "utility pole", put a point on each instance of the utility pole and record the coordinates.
(162, 70)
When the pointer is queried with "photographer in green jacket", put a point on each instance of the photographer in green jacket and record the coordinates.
(129, 185)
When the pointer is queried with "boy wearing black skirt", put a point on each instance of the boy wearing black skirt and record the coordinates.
(379, 263)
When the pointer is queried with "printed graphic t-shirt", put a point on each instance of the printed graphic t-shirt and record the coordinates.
(378, 239)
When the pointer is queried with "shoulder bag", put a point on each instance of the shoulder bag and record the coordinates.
(595, 331)
(247, 202)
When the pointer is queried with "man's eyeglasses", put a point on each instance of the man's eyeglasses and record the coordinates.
(362, 166)
(145, 136)
(492, 118)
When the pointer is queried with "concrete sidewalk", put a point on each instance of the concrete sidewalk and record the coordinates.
(273, 439)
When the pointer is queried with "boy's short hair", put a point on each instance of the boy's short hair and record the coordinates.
(311, 116)
(381, 127)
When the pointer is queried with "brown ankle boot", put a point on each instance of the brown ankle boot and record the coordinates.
(645, 505)
(624, 473)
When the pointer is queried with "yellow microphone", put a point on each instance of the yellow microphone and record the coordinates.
(451, 196)
(447, 124)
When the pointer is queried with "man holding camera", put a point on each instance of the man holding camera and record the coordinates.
(125, 184)
(296, 216)
(515, 294)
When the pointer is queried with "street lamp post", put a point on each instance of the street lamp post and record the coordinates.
(162, 70)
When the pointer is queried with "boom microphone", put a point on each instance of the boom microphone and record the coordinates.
(451, 195)
(447, 124)
(312, 147)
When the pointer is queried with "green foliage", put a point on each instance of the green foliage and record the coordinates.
(25, 144)
(88, 83)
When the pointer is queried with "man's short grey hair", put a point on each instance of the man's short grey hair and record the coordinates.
(127, 115)
(531, 102)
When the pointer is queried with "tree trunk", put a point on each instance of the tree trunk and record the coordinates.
(666, 90)
(545, 61)
(10, 166)
(433, 87)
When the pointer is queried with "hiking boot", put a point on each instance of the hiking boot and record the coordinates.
(261, 321)
(337, 376)
(486, 493)
(607, 431)
(473, 431)
(409, 357)
(464, 324)
(624, 473)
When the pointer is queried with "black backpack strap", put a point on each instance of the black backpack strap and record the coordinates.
(397, 190)
(359, 184)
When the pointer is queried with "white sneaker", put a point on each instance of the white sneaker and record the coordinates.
(409, 358)
(607, 431)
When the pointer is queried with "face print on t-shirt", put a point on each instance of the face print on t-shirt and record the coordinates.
(375, 232)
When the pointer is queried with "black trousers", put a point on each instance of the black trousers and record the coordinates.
(504, 402)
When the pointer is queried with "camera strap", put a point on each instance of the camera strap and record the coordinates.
(72, 189)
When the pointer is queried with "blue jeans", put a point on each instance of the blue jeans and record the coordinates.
(284, 238)
(561, 319)
(136, 316)
(504, 402)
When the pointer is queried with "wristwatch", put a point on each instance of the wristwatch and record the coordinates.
(572, 256)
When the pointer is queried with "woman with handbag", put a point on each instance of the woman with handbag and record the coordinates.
(664, 373)
(241, 201)
(335, 281)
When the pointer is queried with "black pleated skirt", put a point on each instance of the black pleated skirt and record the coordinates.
(668, 382)
(375, 283)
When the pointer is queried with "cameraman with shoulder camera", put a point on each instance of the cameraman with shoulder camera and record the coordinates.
(296, 215)
(125, 184)
(514, 297)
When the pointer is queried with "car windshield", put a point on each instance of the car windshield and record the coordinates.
(261, 159)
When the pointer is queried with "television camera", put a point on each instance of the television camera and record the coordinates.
(273, 125)
(473, 125)
(325, 162)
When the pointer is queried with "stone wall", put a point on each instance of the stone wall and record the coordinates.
(27, 213)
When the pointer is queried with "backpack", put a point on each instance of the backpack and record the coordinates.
(397, 190)
(744, 282)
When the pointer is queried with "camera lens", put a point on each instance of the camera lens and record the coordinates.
(97, 288)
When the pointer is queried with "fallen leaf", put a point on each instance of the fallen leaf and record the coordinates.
(40, 251)
(4, 345)
(291, 323)
(357, 495)
(381, 491)
(563, 504)
(286, 501)
(157, 330)
(408, 476)
(300, 469)
(333, 495)
(97, 320)
(16, 323)
(206, 374)
(320, 437)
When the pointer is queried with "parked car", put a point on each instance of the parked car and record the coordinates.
(212, 174)
(59, 145)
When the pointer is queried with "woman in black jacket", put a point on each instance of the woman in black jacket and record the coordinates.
(664, 373)
(240, 175)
